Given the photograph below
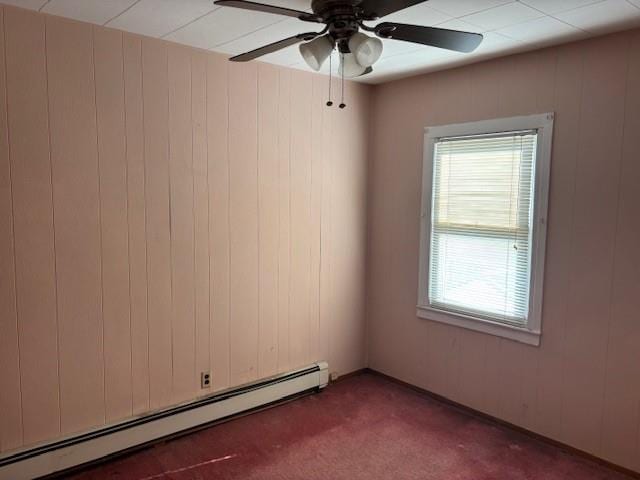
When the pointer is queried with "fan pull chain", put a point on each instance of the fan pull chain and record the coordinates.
(342, 104)
(330, 102)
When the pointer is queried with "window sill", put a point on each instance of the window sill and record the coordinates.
(522, 335)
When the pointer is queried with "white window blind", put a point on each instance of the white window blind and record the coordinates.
(481, 225)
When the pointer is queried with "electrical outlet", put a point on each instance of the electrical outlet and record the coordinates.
(205, 380)
(333, 376)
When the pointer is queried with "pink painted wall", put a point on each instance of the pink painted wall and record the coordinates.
(164, 212)
(582, 385)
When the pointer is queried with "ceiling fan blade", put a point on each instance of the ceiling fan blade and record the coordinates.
(274, 47)
(379, 8)
(261, 7)
(435, 37)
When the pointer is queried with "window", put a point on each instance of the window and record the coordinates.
(484, 225)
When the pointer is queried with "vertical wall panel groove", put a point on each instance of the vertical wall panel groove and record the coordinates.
(201, 211)
(182, 223)
(218, 163)
(301, 94)
(112, 159)
(101, 283)
(328, 159)
(10, 395)
(268, 98)
(132, 58)
(243, 216)
(33, 223)
(155, 88)
(318, 153)
(284, 218)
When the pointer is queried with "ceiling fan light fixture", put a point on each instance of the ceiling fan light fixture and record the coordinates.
(349, 66)
(366, 49)
(316, 52)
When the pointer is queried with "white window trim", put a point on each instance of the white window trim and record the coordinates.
(543, 123)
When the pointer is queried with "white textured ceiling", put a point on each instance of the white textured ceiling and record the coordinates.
(508, 25)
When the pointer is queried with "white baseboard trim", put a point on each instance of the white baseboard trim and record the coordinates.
(79, 449)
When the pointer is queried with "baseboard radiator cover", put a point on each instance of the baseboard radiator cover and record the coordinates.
(95, 444)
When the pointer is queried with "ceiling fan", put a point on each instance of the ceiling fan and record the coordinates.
(344, 20)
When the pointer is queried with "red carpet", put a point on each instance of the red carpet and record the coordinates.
(363, 428)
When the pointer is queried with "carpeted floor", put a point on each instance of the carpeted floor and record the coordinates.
(362, 428)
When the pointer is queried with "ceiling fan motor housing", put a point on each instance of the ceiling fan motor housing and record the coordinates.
(328, 8)
(341, 17)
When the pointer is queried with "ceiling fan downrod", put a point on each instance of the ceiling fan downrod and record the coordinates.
(342, 104)
(330, 102)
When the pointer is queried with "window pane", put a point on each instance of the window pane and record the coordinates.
(479, 275)
(481, 225)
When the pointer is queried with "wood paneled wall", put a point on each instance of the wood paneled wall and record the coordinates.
(164, 212)
(582, 385)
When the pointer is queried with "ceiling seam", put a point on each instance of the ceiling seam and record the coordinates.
(246, 34)
(496, 7)
(553, 15)
(496, 31)
(190, 22)
(633, 4)
(588, 32)
(121, 13)
(460, 17)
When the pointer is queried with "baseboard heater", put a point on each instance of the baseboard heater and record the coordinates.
(79, 449)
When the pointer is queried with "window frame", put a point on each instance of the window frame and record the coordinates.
(543, 124)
